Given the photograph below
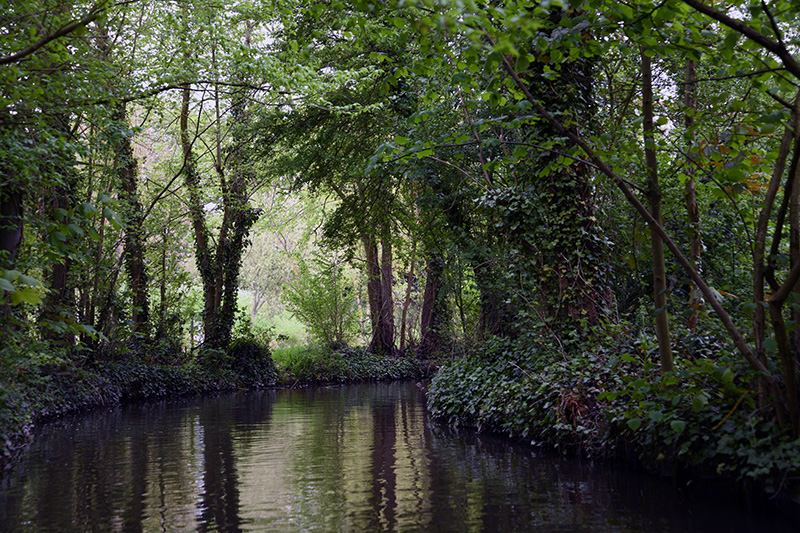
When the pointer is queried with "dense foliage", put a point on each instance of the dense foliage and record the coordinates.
(601, 200)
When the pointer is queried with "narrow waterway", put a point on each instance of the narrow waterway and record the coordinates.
(355, 458)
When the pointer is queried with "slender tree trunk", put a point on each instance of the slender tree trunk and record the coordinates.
(760, 270)
(383, 340)
(432, 318)
(407, 299)
(202, 252)
(689, 193)
(654, 197)
(162, 306)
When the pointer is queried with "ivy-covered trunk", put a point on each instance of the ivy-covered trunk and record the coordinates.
(55, 206)
(127, 174)
(555, 228)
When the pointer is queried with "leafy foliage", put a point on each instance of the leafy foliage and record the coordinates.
(315, 364)
(321, 297)
(700, 418)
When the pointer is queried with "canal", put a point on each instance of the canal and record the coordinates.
(351, 458)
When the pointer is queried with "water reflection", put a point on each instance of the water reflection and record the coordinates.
(362, 458)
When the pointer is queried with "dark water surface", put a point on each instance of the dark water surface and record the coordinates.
(356, 458)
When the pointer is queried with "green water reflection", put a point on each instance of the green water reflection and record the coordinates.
(360, 458)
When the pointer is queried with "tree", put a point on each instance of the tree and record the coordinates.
(321, 297)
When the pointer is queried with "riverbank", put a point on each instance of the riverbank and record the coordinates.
(32, 393)
(699, 425)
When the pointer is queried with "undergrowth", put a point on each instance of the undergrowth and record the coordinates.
(316, 364)
(609, 400)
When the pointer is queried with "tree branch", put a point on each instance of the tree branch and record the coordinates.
(65, 30)
(777, 48)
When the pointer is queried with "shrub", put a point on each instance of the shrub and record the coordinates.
(321, 299)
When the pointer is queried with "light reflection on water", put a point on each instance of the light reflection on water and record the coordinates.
(357, 458)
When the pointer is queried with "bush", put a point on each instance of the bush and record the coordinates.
(321, 299)
(611, 400)
(318, 364)
(252, 363)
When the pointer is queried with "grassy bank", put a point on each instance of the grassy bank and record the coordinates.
(700, 422)
(301, 365)
(35, 390)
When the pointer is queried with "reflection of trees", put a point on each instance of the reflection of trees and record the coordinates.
(342, 459)
(133, 469)
(219, 507)
(222, 424)
(383, 498)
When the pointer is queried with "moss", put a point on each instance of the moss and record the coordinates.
(33, 393)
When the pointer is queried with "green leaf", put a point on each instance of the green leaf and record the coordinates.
(11, 275)
(75, 229)
(656, 416)
(678, 426)
(88, 210)
(522, 63)
(635, 423)
(699, 401)
(6, 285)
(28, 295)
(28, 281)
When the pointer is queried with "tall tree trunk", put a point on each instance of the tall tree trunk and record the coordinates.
(11, 212)
(383, 339)
(162, 329)
(689, 193)
(127, 173)
(374, 294)
(407, 298)
(654, 197)
(574, 290)
(58, 305)
(432, 317)
(238, 215)
(11, 225)
(201, 249)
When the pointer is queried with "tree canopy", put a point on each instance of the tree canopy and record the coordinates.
(536, 172)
